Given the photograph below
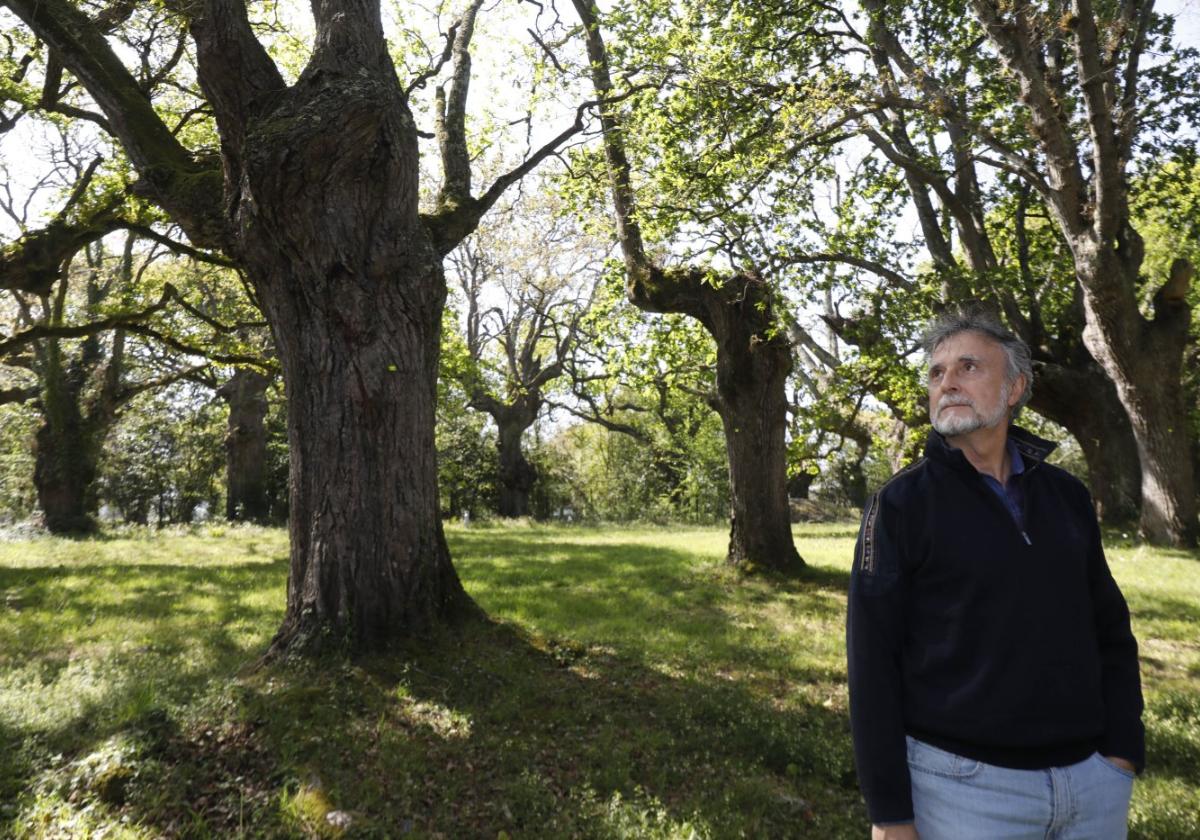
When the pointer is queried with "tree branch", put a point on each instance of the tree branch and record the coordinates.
(893, 277)
(123, 319)
(451, 116)
(638, 268)
(234, 70)
(190, 192)
(148, 232)
(1016, 42)
(1096, 80)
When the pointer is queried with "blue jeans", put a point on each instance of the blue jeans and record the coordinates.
(957, 798)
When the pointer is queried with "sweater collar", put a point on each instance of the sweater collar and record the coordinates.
(1033, 449)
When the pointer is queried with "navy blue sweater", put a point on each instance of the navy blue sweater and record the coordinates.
(1006, 645)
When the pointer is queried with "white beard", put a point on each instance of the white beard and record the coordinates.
(960, 423)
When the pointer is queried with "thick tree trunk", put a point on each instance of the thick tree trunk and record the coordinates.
(246, 446)
(63, 472)
(66, 442)
(353, 289)
(517, 475)
(752, 401)
(1144, 360)
(1084, 401)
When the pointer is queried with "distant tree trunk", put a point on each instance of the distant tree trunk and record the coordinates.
(1085, 402)
(246, 446)
(64, 470)
(517, 475)
(185, 509)
(799, 484)
(72, 431)
(139, 513)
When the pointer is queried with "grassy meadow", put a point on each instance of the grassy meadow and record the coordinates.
(627, 685)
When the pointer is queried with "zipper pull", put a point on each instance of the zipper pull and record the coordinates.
(1027, 540)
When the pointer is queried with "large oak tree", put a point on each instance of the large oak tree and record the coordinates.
(315, 195)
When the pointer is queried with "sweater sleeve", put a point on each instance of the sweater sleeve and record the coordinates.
(874, 630)
(1124, 734)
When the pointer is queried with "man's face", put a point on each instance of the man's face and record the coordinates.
(968, 385)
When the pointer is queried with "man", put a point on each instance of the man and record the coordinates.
(994, 687)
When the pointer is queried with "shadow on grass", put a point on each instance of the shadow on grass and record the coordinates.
(562, 730)
(487, 729)
(622, 696)
(1163, 608)
(87, 651)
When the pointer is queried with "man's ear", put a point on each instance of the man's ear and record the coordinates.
(1018, 390)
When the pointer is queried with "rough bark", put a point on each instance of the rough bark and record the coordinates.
(1145, 364)
(246, 447)
(353, 289)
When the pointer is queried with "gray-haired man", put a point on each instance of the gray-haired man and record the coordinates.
(994, 687)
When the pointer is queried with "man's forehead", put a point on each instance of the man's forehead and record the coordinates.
(966, 345)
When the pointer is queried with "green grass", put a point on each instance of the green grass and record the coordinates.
(629, 685)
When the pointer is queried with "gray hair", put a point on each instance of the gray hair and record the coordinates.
(978, 320)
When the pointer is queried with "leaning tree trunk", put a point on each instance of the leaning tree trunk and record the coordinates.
(1084, 401)
(517, 475)
(1144, 360)
(246, 447)
(352, 286)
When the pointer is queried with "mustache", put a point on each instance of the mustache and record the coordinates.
(954, 399)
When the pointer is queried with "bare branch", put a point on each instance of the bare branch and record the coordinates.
(435, 68)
